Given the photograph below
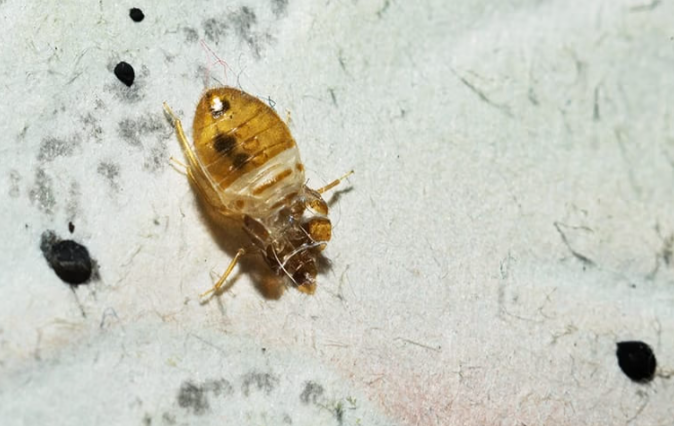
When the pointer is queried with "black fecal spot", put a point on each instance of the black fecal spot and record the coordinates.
(637, 360)
(71, 227)
(133, 89)
(311, 393)
(136, 14)
(69, 259)
(125, 73)
(261, 381)
(240, 160)
(224, 143)
(193, 397)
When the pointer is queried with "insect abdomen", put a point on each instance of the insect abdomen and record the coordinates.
(246, 150)
(265, 188)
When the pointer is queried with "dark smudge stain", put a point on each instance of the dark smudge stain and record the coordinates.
(92, 126)
(279, 7)
(265, 382)
(14, 181)
(220, 387)
(191, 35)
(110, 171)
(133, 130)
(311, 393)
(667, 251)
(168, 419)
(244, 22)
(195, 397)
(204, 74)
(42, 192)
(157, 158)
(72, 206)
(214, 30)
(338, 413)
(51, 148)
(136, 131)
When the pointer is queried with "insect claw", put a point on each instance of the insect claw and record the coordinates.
(169, 114)
(207, 294)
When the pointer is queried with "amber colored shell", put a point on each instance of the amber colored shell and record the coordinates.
(235, 133)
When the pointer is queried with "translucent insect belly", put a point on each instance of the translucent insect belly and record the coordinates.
(261, 190)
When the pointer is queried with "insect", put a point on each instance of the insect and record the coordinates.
(245, 164)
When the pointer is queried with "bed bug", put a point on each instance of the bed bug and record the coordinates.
(246, 166)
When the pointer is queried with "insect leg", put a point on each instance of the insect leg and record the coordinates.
(224, 276)
(193, 170)
(210, 197)
(333, 183)
(187, 149)
(179, 166)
